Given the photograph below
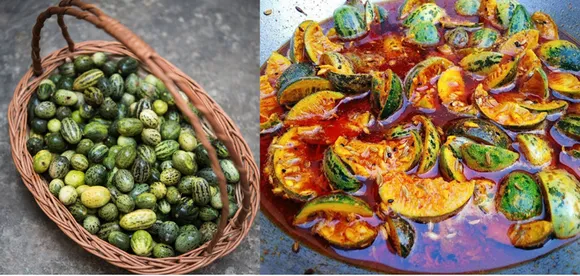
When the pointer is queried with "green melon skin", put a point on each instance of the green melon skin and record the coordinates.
(519, 196)
(349, 23)
(394, 100)
(485, 132)
(476, 157)
(569, 125)
(520, 21)
(424, 34)
(338, 173)
(562, 198)
(350, 84)
(560, 54)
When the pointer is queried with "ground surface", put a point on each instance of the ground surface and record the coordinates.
(276, 247)
(214, 42)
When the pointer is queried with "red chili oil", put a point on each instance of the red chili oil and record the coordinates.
(466, 242)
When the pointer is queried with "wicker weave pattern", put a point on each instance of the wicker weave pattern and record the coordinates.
(229, 236)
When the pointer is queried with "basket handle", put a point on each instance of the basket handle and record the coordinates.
(149, 57)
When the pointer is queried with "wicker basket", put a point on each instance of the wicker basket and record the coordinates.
(216, 122)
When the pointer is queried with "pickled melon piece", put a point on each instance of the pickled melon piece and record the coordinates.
(423, 34)
(350, 83)
(296, 51)
(409, 6)
(355, 234)
(417, 85)
(431, 144)
(423, 199)
(536, 84)
(507, 114)
(401, 235)
(451, 90)
(535, 148)
(291, 174)
(365, 159)
(560, 55)
(565, 84)
(467, 7)
(549, 107)
(478, 130)
(546, 25)
(484, 38)
(484, 194)
(428, 12)
(362, 157)
(298, 89)
(275, 65)
(338, 173)
(450, 166)
(519, 196)
(569, 125)
(316, 43)
(519, 21)
(337, 203)
(349, 23)
(339, 71)
(481, 63)
(457, 37)
(338, 63)
(530, 234)
(531, 78)
(299, 81)
(269, 107)
(451, 86)
(484, 158)
(411, 151)
(318, 106)
(562, 198)
(359, 122)
(271, 123)
(375, 14)
(528, 63)
(488, 11)
(386, 93)
(505, 11)
(407, 149)
(294, 72)
(455, 143)
(502, 76)
(400, 131)
(520, 42)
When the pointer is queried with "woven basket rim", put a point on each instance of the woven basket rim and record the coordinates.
(17, 115)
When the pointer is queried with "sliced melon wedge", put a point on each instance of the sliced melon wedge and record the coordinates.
(318, 106)
(291, 174)
(316, 43)
(507, 114)
(423, 199)
(334, 203)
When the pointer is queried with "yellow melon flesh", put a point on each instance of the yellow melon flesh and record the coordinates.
(423, 199)
(317, 106)
(316, 43)
(275, 66)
